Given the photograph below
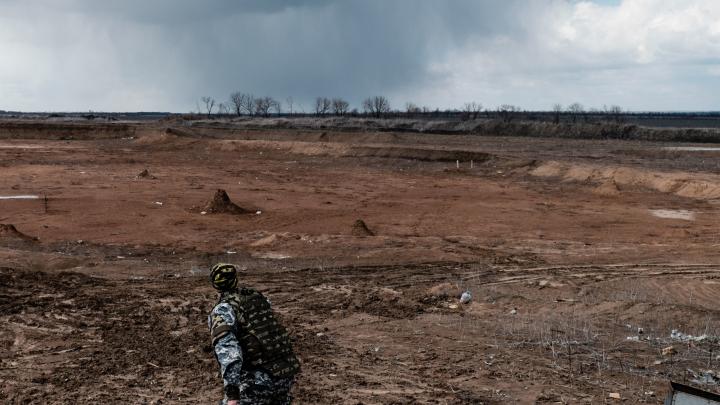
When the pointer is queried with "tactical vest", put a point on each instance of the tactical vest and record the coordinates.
(265, 343)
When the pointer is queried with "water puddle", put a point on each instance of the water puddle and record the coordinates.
(693, 148)
(674, 214)
(19, 197)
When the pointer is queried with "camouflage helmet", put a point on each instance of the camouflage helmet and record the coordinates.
(223, 276)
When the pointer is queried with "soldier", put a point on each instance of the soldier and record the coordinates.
(256, 360)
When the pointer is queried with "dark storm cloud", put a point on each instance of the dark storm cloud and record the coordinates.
(166, 54)
(184, 49)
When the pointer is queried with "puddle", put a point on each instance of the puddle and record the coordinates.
(674, 214)
(693, 148)
(19, 197)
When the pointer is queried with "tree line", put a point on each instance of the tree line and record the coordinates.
(246, 104)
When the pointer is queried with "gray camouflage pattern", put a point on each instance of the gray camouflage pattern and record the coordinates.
(256, 387)
(227, 349)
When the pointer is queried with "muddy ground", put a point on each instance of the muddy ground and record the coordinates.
(582, 257)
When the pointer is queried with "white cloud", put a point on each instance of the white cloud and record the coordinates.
(645, 54)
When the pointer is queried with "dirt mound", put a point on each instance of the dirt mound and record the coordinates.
(221, 204)
(145, 174)
(386, 302)
(445, 290)
(608, 188)
(684, 184)
(9, 232)
(359, 228)
(157, 138)
(60, 130)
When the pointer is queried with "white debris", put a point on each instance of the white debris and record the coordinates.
(514, 311)
(677, 335)
(674, 214)
(203, 212)
(19, 197)
(158, 203)
(704, 377)
(258, 212)
(231, 252)
(466, 297)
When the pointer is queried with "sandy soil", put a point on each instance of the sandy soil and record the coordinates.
(582, 257)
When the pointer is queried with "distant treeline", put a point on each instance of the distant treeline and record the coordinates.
(246, 105)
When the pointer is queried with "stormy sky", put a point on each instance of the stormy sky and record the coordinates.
(163, 55)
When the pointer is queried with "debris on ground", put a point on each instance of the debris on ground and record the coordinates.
(704, 377)
(669, 351)
(145, 174)
(466, 297)
(677, 335)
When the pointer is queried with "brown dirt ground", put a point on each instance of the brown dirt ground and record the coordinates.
(569, 248)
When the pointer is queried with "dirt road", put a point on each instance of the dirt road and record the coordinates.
(582, 257)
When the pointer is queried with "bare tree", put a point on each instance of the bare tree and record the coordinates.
(339, 106)
(507, 112)
(412, 108)
(276, 107)
(236, 102)
(557, 111)
(615, 112)
(575, 109)
(472, 109)
(242, 103)
(322, 105)
(209, 104)
(264, 105)
(377, 106)
(290, 102)
(223, 109)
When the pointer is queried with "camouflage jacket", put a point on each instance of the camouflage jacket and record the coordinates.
(246, 336)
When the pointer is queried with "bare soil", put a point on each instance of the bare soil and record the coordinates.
(577, 284)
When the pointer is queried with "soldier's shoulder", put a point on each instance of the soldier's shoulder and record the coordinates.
(222, 308)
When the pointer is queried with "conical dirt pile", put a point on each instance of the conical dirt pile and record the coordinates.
(221, 204)
(359, 228)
